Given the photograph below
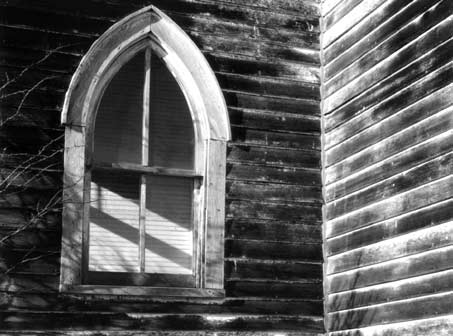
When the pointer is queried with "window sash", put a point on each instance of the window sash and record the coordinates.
(141, 277)
(143, 169)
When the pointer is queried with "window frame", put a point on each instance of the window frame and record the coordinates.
(148, 27)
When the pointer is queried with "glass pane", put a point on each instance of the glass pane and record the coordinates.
(171, 132)
(169, 232)
(118, 128)
(114, 223)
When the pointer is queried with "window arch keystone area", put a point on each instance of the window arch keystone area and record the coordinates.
(146, 128)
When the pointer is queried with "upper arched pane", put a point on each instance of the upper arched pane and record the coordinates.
(130, 119)
(171, 131)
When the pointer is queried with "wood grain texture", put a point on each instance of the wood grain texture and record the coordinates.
(418, 219)
(387, 237)
(265, 56)
(350, 82)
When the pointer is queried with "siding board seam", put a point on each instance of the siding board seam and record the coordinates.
(382, 60)
(395, 258)
(394, 284)
(391, 137)
(332, 27)
(371, 205)
(381, 162)
(408, 300)
(412, 256)
(265, 95)
(393, 95)
(383, 181)
(343, 235)
(370, 32)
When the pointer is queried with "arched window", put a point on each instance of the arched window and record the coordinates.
(145, 150)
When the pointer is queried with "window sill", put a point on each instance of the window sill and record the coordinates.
(142, 291)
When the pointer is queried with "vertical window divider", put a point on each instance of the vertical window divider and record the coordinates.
(145, 156)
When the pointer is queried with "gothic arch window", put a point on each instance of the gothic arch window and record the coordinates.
(145, 148)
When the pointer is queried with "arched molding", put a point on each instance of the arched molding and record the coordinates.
(178, 51)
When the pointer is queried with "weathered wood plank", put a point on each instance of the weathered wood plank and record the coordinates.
(244, 172)
(252, 67)
(246, 136)
(391, 207)
(439, 304)
(30, 238)
(363, 28)
(49, 22)
(254, 48)
(329, 5)
(30, 177)
(439, 326)
(403, 161)
(333, 13)
(59, 63)
(353, 12)
(30, 117)
(273, 192)
(160, 333)
(282, 270)
(430, 171)
(274, 289)
(55, 302)
(425, 217)
(427, 262)
(16, 36)
(29, 283)
(34, 95)
(28, 198)
(88, 22)
(222, 27)
(309, 8)
(275, 157)
(274, 121)
(398, 51)
(29, 261)
(109, 11)
(272, 231)
(268, 86)
(280, 104)
(115, 321)
(301, 213)
(392, 291)
(415, 242)
(409, 114)
(31, 140)
(30, 161)
(408, 137)
(419, 90)
(273, 250)
(388, 18)
(19, 218)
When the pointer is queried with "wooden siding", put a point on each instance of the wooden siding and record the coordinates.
(387, 69)
(265, 55)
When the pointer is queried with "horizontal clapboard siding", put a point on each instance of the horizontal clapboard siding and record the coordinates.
(265, 56)
(388, 141)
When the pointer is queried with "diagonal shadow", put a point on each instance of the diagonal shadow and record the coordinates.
(127, 232)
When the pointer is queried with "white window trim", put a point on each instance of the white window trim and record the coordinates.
(212, 128)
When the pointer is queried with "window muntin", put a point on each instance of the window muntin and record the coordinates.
(143, 223)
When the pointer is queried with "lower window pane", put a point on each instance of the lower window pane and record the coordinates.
(114, 223)
(169, 229)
